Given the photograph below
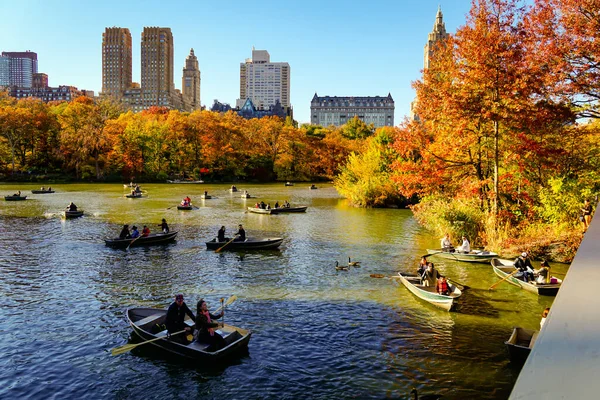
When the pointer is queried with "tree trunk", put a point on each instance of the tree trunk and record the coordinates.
(496, 165)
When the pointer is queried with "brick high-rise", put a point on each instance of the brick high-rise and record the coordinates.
(116, 61)
(158, 88)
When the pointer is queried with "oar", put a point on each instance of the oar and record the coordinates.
(195, 208)
(222, 247)
(431, 254)
(130, 243)
(460, 284)
(503, 279)
(223, 320)
(228, 302)
(128, 347)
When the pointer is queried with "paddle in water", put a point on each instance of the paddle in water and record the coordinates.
(503, 279)
(130, 346)
(225, 245)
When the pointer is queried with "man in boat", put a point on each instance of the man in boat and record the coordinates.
(523, 264)
(125, 234)
(164, 227)
(263, 205)
(442, 286)
(72, 207)
(43, 189)
(276, 204)
(221, 235)
(447, 244)
(145, 231)
(240, 235)
(465, 247)
(176, 317)
(205, 326)
(134, 232)
(430, 276)
(17, 194)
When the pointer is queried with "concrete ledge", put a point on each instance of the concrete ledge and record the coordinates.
(565, 361)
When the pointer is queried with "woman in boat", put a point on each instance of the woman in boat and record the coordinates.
(164, 226)
(205, 326)
(176, 319)
(430, 276)
(125, 234)
(145, 231)
(465, 247)
(134, 232)
(442, 286)
(543, 274)
(422, 266)
(221, 235)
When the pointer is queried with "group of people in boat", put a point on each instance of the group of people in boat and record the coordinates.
(203, 330)
(135, 233)
(431, 277)
(446, 245)
(186, 202)
(240, 235)
(528, 274)
(267, 206)
(43, 189)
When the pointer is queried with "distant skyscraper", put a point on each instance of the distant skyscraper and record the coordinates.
(21, 67)
(158, 88)
(437, 35)
(190, 82)
(264, 82)
(116, 61)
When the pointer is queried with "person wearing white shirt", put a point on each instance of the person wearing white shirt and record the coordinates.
(446, 244)
(465, 247)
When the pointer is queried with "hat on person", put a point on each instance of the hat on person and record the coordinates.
(524, 254)
(179, 297)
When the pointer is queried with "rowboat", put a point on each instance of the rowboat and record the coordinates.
(245, 195)
(206, 197)
(503, 268)
(42, 191)
(15, 198)
(430, 295)
(233, 190)
(187, 208)
(312, 187)
(258, 210)
(134, 196)
(280, 210)
(150, 240)
(520, 343)
(248, 244)
(73, 214)
(288, 184)
(147, 324)
(476, 256)
(180, 181)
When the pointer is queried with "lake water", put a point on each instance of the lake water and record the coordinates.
(318, 333)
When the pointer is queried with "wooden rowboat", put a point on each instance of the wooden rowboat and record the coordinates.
(134, 196)
(150, 240)
(248, 244)
(187, 208)
(42, 191)
(15, 198)
(206, 197)
(520, 343)
(245, 196)
(476, 256)
(280, 210)
(503, 268)
(258, 210)
(146, 321)
(288, 184)
(73, 214)
(430, 295)
(312, 187)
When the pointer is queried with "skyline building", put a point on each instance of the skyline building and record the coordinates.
(190, 82)
(116, 61)
(264, 82)
(19, 66)
(336, 111)
(157, 73)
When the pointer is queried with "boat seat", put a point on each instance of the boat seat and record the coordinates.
(149, 319)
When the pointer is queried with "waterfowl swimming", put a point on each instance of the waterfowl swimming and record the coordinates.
(425, 396)
(353, 263)
(340, 267)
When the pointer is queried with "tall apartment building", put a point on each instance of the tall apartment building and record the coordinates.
(157, 83)
(116, 61)
(264, 82)
(333, 110)
(190, 82)
(437, 35)
(21, 67)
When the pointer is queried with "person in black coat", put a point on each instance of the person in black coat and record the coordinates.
(205, 325)
(523, 264)
(241, 234)
(125, 234)
(175, 319)
(221, 235)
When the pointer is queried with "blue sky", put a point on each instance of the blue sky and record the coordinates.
(335, 48)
